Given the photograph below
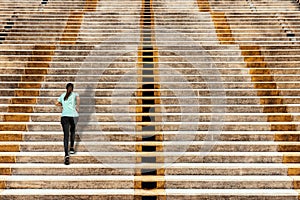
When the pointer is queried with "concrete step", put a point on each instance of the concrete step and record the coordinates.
(101, 194)
(68, 68)
(228, 182)
(172, 146)
(126, 182)
(224, 169)
(166, 117)
(268, 58)
(67, 182)
(172, 194)
(106, 107)
(130, 157)
(165, 93)
(168, 135)
(193, 194)
(130, 126)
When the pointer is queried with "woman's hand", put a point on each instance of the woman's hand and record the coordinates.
(58, 104)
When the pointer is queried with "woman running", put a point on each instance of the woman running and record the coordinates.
(70, 102)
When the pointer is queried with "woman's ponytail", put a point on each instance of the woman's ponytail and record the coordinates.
(69, 88)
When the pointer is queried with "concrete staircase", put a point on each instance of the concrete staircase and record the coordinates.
(186, 99)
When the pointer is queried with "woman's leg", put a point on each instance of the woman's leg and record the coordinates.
(66, 127)
(73, 122)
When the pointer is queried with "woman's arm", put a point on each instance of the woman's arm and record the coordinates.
(58, 103)
(77, 103)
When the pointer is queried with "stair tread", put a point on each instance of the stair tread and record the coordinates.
(154, 123)
(177, 192)
(241, 192)
(147, 132)
(142, 165)
(72, 192)
(229, 154)
(174, 142)
(149, 178)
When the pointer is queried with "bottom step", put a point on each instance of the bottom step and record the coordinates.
(171, 194)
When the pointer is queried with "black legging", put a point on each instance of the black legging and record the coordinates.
(68, 125)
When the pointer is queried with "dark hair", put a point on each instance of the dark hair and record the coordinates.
(68, 91)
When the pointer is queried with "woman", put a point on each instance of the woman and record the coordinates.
(70, 102)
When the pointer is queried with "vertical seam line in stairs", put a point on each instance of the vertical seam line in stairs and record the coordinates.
(148, 79)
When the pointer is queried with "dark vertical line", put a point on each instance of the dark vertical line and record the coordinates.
(148, 92)
(147, 100)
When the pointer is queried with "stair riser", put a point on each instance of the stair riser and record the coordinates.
(201, 92)
(167, 137)
(179, 159)
(119, 85)
(73, 171)
(110, 170)
(68, 197)
(129, 185)
(132, 118)
(118, 78)
(82, 147)
(232, 171)
(172, 148)
(228, 184)
(107, 106)
(165, 127)
(70, 184)
(232, 197)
